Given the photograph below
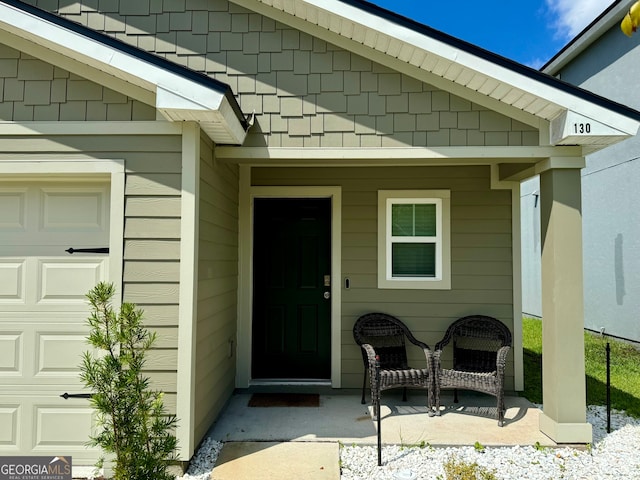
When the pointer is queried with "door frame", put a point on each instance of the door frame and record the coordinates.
(245, 281)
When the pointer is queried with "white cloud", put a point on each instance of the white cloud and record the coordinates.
(571, 16)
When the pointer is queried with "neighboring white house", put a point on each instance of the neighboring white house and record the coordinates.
(605, 61)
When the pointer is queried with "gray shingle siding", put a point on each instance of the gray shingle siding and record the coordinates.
(304, 91)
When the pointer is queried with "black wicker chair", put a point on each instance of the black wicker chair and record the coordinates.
(480, 347)
(382, 338)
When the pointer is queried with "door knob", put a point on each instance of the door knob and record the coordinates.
(327, 295)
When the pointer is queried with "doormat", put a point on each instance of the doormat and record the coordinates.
(284, 400)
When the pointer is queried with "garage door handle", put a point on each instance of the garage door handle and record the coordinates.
(72, 250)
(67, 396)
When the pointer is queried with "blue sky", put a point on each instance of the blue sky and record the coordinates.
(528, 31)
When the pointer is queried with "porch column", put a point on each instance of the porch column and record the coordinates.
(563, 372)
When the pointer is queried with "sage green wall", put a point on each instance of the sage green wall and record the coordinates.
(217, 288)
(481, 253)
(304, 91)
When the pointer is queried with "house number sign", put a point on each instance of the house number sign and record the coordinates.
(581, 128)
(570, 124)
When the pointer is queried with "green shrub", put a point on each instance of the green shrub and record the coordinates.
(455, 469)
(131, 422)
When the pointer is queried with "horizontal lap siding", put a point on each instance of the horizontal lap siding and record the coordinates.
(151, 275)
(217, 288)
(481, 253)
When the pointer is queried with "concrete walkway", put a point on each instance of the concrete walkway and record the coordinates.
(278, 461)
(301, 442)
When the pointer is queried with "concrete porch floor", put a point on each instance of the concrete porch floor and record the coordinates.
(342, 418)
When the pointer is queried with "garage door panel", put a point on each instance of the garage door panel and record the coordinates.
(12, 280)
(43, 354)
(44, 310)
(69, 281)
(9, 421)
(73, 210)
(52, 426)
(11, 349)
(59, 354)
(42, 423)
(13, 210)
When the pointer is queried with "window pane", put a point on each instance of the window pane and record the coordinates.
(425, 220)
(402, 220)
(409, 220)
(413, 260)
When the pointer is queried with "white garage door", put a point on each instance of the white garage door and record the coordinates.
(43, 310)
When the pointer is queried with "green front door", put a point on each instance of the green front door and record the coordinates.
(291, 288)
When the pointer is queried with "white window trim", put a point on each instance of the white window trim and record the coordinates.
(442, 200)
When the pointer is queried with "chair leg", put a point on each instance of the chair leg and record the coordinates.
(364, 384)
(455, 395)
(430, 404)
(404, 394)
(377, 407)
(501, 411)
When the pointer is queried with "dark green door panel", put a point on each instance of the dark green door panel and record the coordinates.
(291, 316)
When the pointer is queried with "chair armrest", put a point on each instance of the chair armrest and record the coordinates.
(436, 361)
(501, 359)
(425, 348)
(371, 354)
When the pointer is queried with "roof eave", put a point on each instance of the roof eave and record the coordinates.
(608, 18)
(178, 93)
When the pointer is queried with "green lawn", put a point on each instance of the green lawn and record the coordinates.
(625, 369)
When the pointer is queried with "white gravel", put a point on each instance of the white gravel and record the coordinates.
(612, 456)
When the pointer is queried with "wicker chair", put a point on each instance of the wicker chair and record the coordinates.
(382, 338)
(480, 347)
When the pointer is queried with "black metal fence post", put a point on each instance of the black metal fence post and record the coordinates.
(377, 411)
(608, 388)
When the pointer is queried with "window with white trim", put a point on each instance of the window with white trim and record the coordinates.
(414, 239)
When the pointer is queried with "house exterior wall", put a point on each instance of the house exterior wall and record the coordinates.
(481, 252)
(610, 199)
(217, 288)
(151, 233)
(304, 91)
(531, 247)
(33, 90)
(152, 247)
(610, 195)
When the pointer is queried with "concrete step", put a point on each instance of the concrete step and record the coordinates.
(278, 461)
